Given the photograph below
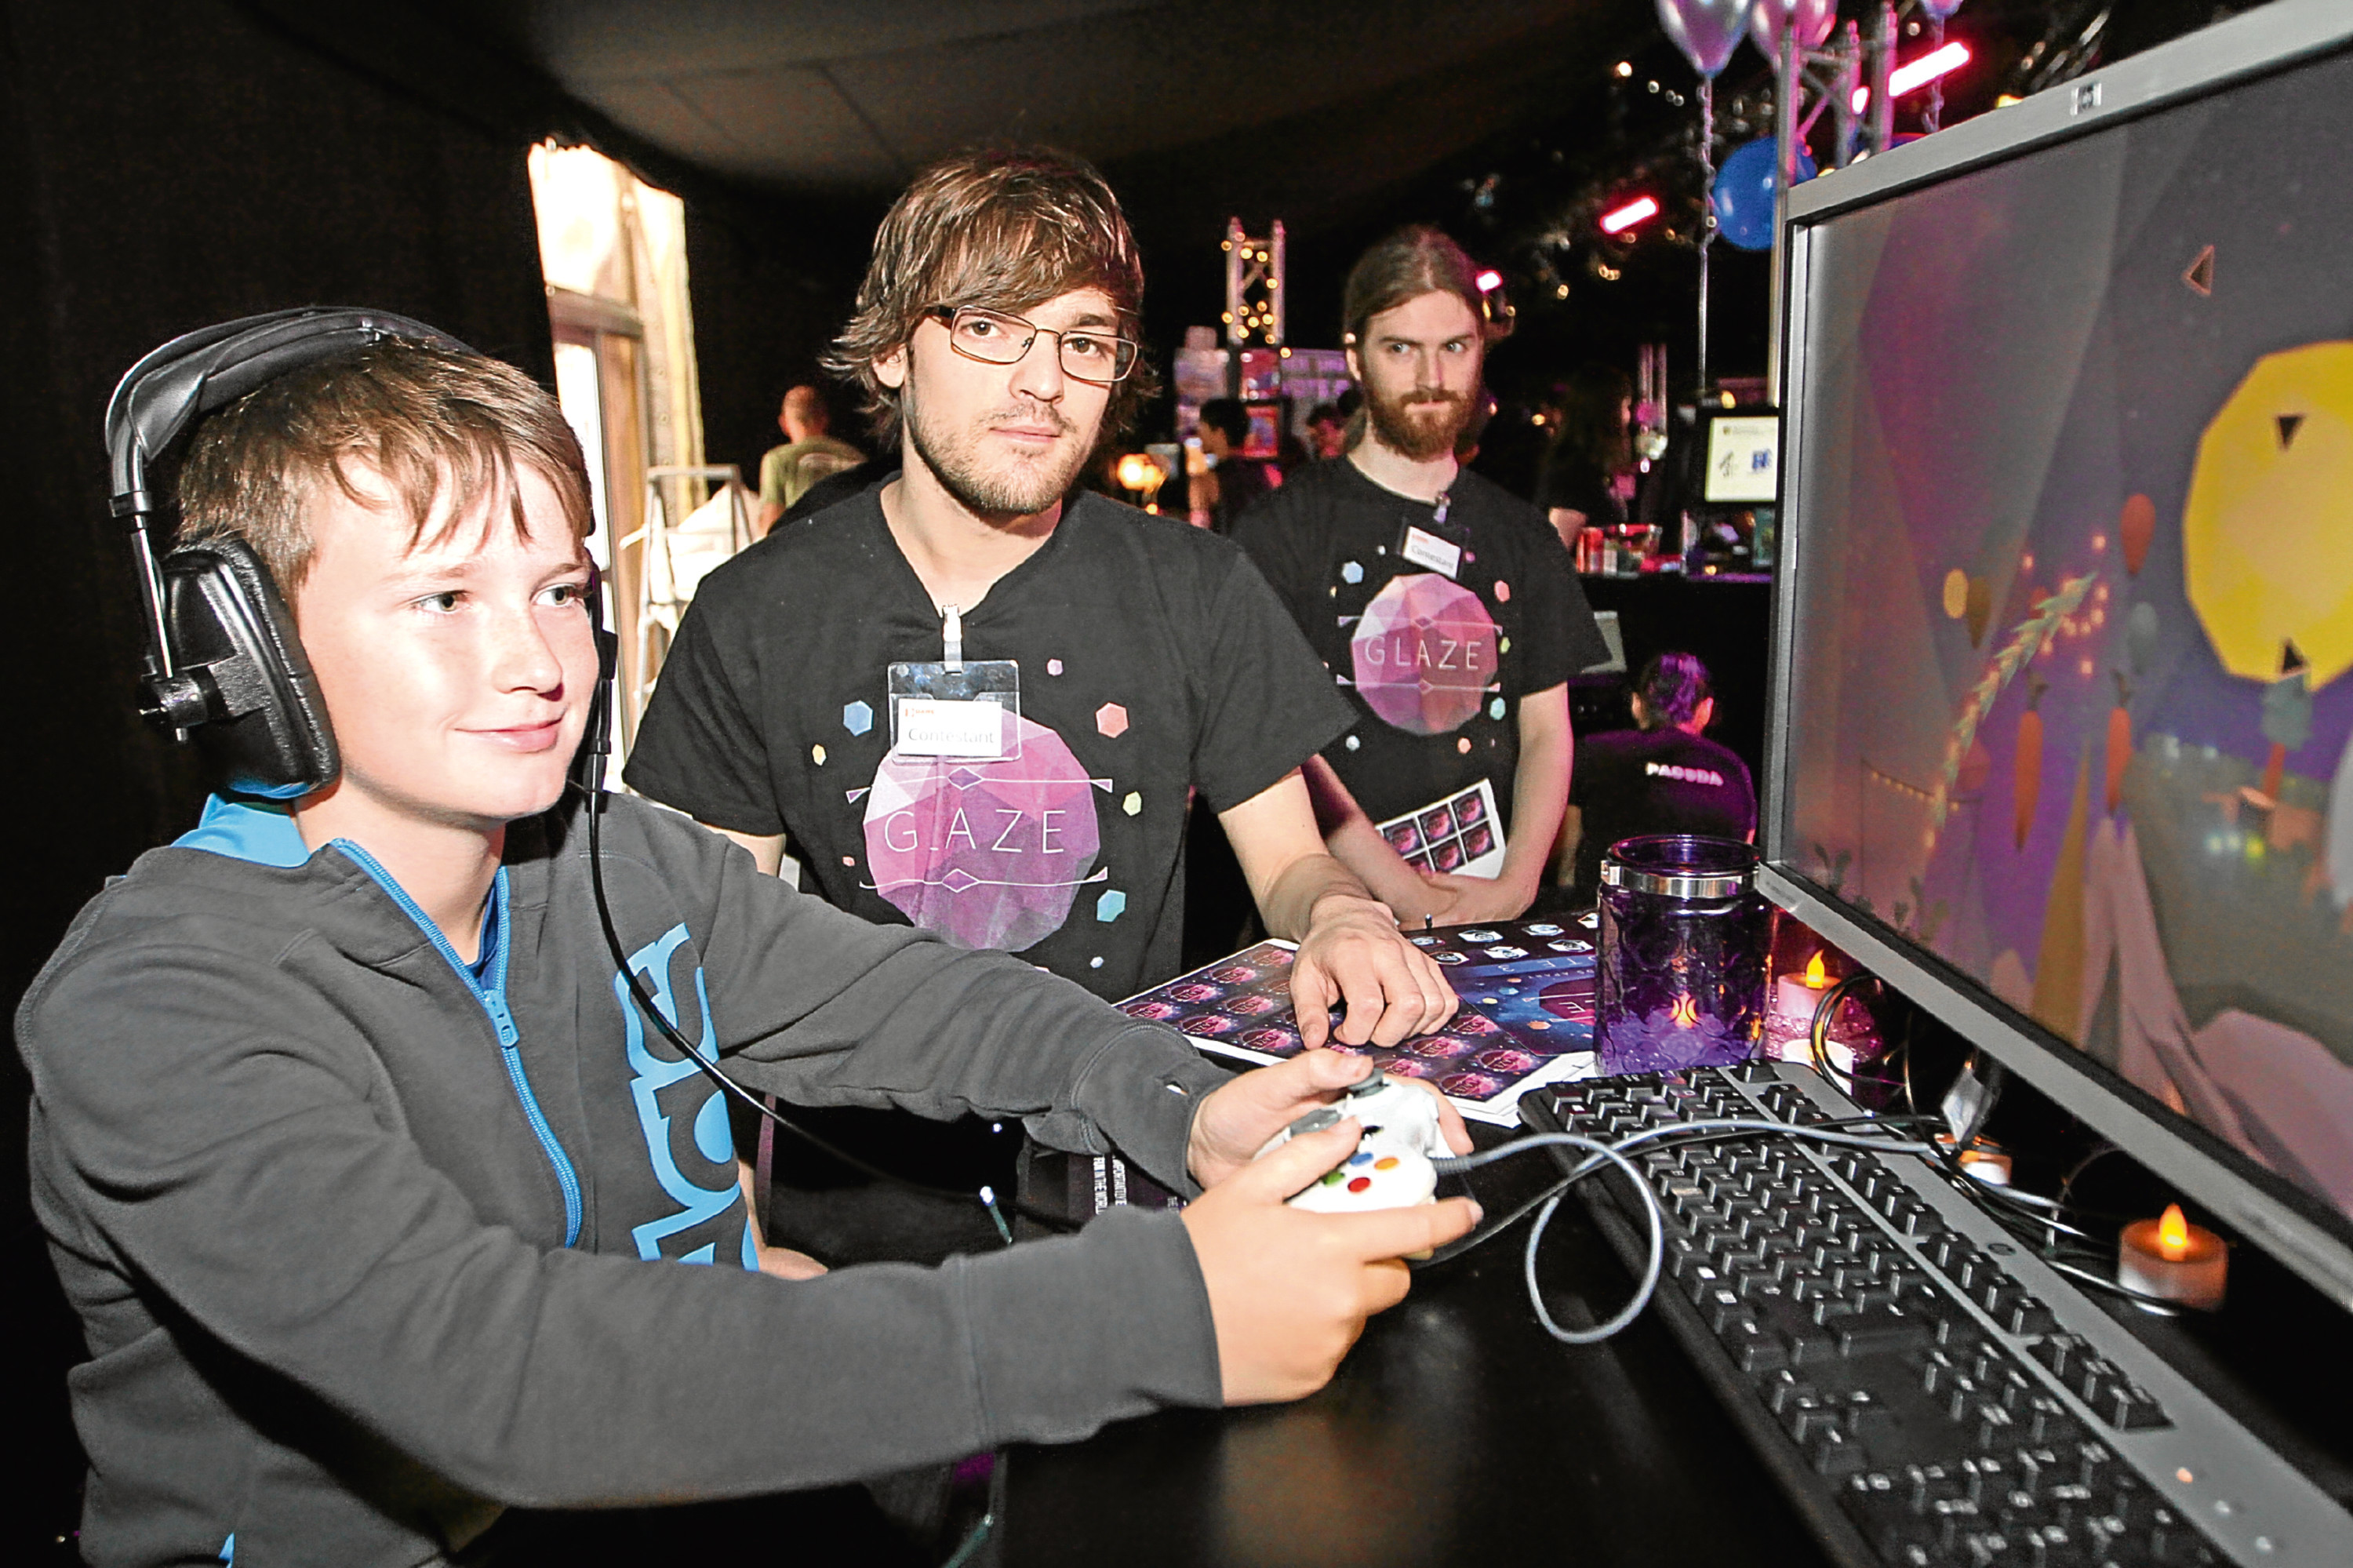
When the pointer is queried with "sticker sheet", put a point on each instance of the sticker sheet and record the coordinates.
(1459, 834)
(1526, 1018)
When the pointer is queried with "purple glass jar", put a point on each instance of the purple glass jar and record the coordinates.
(1684, 937)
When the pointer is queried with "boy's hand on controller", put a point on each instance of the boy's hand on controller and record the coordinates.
(1290, 1290)
(1354, 952)
(1237, 1117)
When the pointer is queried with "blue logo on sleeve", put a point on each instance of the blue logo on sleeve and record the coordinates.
(676, 1107)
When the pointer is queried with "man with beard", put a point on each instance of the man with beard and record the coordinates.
(977, 700)
(1443, 605)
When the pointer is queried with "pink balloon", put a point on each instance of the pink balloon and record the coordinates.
(1768, 20)
(1707, 31)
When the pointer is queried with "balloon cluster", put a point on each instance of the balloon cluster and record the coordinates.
(1707, 31)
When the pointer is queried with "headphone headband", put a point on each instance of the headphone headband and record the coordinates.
(200, 372)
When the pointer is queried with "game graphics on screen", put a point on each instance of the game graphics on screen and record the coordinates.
(2071, 708)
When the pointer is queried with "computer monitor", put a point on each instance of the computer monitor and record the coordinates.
(1744, 448)
(2062, 719)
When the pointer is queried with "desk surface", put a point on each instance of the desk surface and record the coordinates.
(1456, 1432)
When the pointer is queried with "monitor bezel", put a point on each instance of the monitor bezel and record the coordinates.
(2295, 1226)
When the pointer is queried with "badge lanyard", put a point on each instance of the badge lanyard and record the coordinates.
(956, 706)
(1436, 546)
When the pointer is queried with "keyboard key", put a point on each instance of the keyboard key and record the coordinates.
(1878, 1329)
(1833, 1452)
(1880, 1508)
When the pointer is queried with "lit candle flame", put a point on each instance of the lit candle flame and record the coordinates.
(1685, 1012)
(1816, 976)
(2173, 1234)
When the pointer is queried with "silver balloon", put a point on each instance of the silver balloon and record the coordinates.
(1707, 31)
(1768, 18)
(1940, 9)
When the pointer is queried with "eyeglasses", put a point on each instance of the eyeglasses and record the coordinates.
(993, 337)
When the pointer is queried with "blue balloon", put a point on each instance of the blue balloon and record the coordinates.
(1743, 194)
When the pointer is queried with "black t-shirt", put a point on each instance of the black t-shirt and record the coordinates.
(1151, 658)
(1655, 781)
(1434, 665)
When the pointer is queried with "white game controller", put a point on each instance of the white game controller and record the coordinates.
(1391, 1167)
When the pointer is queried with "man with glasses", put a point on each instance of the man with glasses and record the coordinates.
(978, 700)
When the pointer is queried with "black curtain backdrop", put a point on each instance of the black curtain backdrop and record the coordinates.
(763, 314)
(163, 165)
(167, 163)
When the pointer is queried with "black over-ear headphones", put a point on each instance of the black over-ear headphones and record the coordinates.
(222, 658)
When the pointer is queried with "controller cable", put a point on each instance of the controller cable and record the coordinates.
(986, 1197)
(995, 1509)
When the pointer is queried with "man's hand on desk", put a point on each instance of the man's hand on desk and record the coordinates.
(1354, 952)
(1238, 1117)
(1290, 1290)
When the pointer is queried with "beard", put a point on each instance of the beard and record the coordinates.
(1014, 486)
(1420, 424)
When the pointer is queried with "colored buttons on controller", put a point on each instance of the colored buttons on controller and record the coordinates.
(1333, 1179)
(1359, 1183)
(1386, 1162)
(1359, 1158)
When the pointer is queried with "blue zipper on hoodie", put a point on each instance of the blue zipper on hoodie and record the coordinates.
(493, 996)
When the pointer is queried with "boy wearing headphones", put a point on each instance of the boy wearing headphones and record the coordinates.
(383, 1208)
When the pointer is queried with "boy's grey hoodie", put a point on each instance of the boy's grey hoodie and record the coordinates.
(366, 1247)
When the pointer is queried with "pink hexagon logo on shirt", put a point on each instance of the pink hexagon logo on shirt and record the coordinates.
(1425, 653)
(989, 853)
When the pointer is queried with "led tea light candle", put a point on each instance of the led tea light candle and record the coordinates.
(2174, 1260)
(1852, 1036)
(1796, 996)
(1981, 1161)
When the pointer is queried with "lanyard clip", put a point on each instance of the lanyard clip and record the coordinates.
(951, 637)
(1445, 504)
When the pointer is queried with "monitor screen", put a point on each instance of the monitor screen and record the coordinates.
(2066, 718)
(1743, 460)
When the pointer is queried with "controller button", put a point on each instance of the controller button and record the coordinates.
(1360, 1183)
(1387, 1162)
(1355, 1160)
(1332, 1178)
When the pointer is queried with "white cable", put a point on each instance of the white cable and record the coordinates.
(1653, 1212)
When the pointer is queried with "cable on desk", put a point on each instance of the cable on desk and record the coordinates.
(1653, 1212)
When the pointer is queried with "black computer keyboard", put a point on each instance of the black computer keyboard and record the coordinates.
(1926, 1389)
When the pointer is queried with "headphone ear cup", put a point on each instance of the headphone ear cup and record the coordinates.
(243, 683)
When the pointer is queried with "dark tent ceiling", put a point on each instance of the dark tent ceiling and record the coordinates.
(1309, 108)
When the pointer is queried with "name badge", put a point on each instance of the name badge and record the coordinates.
(934, 727)
(1424, 548)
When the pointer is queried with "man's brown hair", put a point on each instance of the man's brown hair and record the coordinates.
(1410, 263)
(1005, 228)
(426, 418)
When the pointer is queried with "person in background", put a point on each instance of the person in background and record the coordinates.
(1327, 432)
(1586, 479)
(995, 341)
(1233, 480)
(1442, 605)
(1666, 777)
(807, 456)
